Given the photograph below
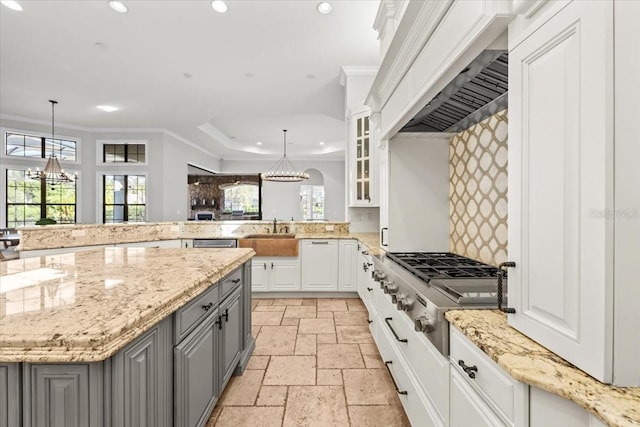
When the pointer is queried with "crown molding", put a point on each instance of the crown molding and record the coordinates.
(347, 71)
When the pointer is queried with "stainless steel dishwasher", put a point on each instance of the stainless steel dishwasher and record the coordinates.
(215, 243)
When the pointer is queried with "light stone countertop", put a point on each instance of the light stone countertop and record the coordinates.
(85, 306)
(529, 362)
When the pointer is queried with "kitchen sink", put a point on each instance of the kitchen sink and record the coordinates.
(271, 244)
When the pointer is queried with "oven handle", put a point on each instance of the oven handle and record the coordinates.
(387, 363)
(386, 320)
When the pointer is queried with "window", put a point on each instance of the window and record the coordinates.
(123, 153)
(124, 198)
(242, 197)
(19, 145)
(28, 200)
(312, 201)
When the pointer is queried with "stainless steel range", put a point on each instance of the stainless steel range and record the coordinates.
(427, 284)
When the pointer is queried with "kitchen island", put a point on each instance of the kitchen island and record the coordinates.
(111, 336)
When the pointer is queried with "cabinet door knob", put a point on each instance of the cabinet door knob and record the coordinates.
(219, 322)
(226, 315)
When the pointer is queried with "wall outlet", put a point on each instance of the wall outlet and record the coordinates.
(329, 228)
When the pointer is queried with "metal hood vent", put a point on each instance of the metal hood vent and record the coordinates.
(478, 92)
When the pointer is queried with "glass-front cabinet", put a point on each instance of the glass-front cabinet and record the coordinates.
(362, 162)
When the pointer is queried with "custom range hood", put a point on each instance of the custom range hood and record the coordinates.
(479, 91)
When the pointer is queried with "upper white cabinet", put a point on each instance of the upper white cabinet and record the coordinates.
(383, 194)
(363, 184)
(563, 205)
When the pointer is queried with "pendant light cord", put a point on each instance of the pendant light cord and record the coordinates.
(53, 128)
(285, 142)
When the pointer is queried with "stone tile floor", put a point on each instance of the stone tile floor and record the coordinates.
(315, 364)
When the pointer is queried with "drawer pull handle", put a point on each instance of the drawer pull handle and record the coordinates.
(387, 363)
(319, 243)
(370, 321)
(219, 322)
(236, 281)
(369, 289)
(469, 370)
(226, 315)
(386, 320)
(207, 307)
(265, 265)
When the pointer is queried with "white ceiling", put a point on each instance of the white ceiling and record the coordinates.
(262, 67)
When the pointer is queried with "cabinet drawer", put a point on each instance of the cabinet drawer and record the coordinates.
(495, 385)
(229, 283)
(189, 316)
(417, 406)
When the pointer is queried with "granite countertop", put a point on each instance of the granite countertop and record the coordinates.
(529, 362)
(86, 306)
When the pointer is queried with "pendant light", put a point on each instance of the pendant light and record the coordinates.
(53, 173)
(283, 171)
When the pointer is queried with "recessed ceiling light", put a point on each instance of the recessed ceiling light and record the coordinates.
(259, 143)
(219, 6)
(321, 143)
(118, 6)
(324, 8)
(107, 108)
(13, 5)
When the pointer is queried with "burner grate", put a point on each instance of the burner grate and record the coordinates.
(442, 265)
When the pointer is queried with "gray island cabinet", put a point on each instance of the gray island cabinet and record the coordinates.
(171, 374)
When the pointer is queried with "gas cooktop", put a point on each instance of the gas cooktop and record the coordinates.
(442, 265)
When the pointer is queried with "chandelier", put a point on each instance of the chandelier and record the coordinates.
(52, 174)
(283, 171)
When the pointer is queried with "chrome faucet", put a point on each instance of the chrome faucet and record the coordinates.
(275, 223)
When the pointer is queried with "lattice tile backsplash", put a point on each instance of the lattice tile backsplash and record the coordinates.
(478, 191)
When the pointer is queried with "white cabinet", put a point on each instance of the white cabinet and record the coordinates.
(347, 265)
(275, 274)
(467, 407)
(420, 373)
(362, 170)
(319, 270)
(482, 390)
(545, 406)
(176, 243)
(563, 205)
(365, 280)
(383, 191)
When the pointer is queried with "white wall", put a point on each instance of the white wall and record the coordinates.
(175, 190)
(282, 200)
(419, 193)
